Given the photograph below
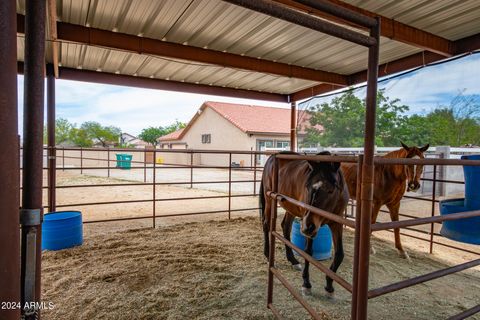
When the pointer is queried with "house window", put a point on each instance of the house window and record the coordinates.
(206, 138)
(283, 144)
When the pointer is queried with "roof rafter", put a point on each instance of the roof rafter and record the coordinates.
(131, 43)
(390, 28)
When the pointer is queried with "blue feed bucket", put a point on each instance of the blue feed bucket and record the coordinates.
(61, 230)
(322, 243)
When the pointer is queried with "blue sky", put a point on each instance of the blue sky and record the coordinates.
(133, 109)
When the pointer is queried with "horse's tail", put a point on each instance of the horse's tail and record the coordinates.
(261, 202)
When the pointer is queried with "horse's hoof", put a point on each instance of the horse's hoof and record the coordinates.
(306, 291)
(297, 267)
(405, 255)
(329, 294)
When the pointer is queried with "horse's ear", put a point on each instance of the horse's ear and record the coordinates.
(404, 146)
(425, 147)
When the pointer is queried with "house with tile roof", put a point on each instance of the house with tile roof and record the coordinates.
(228, 126)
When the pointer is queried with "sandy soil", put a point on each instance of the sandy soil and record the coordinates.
(216, 270)
(164, 208)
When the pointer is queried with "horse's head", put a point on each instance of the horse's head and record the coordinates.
(414, 172)
(324, 187)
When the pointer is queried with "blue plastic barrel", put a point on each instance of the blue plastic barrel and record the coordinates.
(61, 230)
(322, 243)
(463, 230)
(472, 183)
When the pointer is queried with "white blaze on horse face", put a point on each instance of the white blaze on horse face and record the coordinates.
(415, 167)
(317, 185)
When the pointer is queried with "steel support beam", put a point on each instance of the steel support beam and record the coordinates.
(282, 12)
(391, 28)
(140, 45)
(33, 150)
(52, 162)
(9, 162)
(140, 82)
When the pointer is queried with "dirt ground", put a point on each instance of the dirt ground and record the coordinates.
(75, 196)
(216, 270)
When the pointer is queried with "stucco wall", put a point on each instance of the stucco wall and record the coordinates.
(224, 136)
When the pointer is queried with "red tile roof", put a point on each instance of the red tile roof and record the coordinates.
(248, 118)
(172, 135)
(254, 119)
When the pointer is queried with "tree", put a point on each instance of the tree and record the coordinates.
(63, 130)
(152, 134)
(79, 137)
(455, 125)
(343, 121)
(104, 134)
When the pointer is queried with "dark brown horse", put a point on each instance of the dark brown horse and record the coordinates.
(390, 183)
(319, 184)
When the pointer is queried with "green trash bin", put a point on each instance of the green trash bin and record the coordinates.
(124, 161)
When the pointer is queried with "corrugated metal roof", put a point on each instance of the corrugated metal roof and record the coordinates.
(220, 26)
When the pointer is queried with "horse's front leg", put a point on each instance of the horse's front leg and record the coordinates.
(337, 236)
(287, 228)
(394, 209)
(307, 286)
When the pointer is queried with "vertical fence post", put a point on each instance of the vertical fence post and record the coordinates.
(145, 164)
(154, 193)
(273, 224)
(229, 185)
(254, 174)
(191, 169)
(434, 191)
(358, 219)
(108, 161)
(63, 159)
(81, 160)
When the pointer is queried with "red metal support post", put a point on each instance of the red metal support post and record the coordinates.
(293, 126)
(367, 177)
(229, 185)
(9, 161)
(358, 219)
(52, 162)
(154, 187)
(32, 212)
(273, 224)
(434, 196)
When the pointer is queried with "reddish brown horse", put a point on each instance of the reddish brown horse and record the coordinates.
(319, 184)
(390, 183)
